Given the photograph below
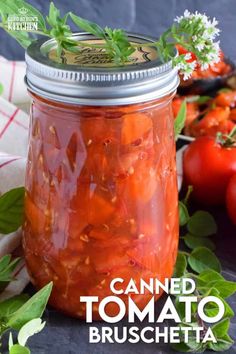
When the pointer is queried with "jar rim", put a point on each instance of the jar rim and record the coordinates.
(110, 85)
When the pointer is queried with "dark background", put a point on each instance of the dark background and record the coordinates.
(143, 16)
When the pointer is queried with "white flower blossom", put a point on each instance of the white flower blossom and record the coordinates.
(202, 42)
(185, 68)
(200, 46)
(188, 56)
(185, 16)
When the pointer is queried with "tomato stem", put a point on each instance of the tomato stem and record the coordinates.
(186, 198)
(227, 140)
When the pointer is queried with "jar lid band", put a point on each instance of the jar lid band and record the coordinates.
(90, 78)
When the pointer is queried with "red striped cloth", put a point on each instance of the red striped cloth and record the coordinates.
(14, 124)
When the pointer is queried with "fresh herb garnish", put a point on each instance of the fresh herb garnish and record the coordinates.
(7, 267)
(23, 314)
(19, 312)
(11, 210)
(179, 124)
(202, 265)
(195, 32)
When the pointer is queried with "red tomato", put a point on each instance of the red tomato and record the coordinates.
(208, 166)
(231, 198)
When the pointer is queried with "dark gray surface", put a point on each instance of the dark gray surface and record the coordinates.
(144, 16)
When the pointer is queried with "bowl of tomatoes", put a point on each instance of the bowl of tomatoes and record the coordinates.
(209, 80)
(207, 115)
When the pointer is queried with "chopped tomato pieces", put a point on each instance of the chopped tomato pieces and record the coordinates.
(192, 109)
(134, 127)
(146, 256)
(215, 120)
(226, 99)
(96, 204)
(99, 210)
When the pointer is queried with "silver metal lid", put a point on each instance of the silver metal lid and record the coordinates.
(90, 77)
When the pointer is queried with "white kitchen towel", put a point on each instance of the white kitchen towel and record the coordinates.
(14, 124)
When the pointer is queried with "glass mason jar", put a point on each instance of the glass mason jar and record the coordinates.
(101, 191)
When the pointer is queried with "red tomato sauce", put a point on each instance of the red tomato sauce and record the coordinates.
(101, 199)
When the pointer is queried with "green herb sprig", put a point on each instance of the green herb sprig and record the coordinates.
(7, 267)
(11, 210)
(19, 312)
(22, 314)
(202, 265)
(180, 119)
(195, 32)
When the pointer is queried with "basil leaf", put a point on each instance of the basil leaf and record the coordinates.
(191, 345)
(22, 38)
(222, 344)
(4, 262)
(180, 265)
(33, 308)
(6, 273)
(209, 275)
(183, 214)
(9, 306)
(11, 210)
(225, 288)
(211, 309)
(88, 26)
(205, 290)
(180, 119)
(18, 349)
(202, 258)
(202, 224)
(180, 308)
(53, 15)
(221, 328)
(181, 347)
(29, 329)
(193, 242)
